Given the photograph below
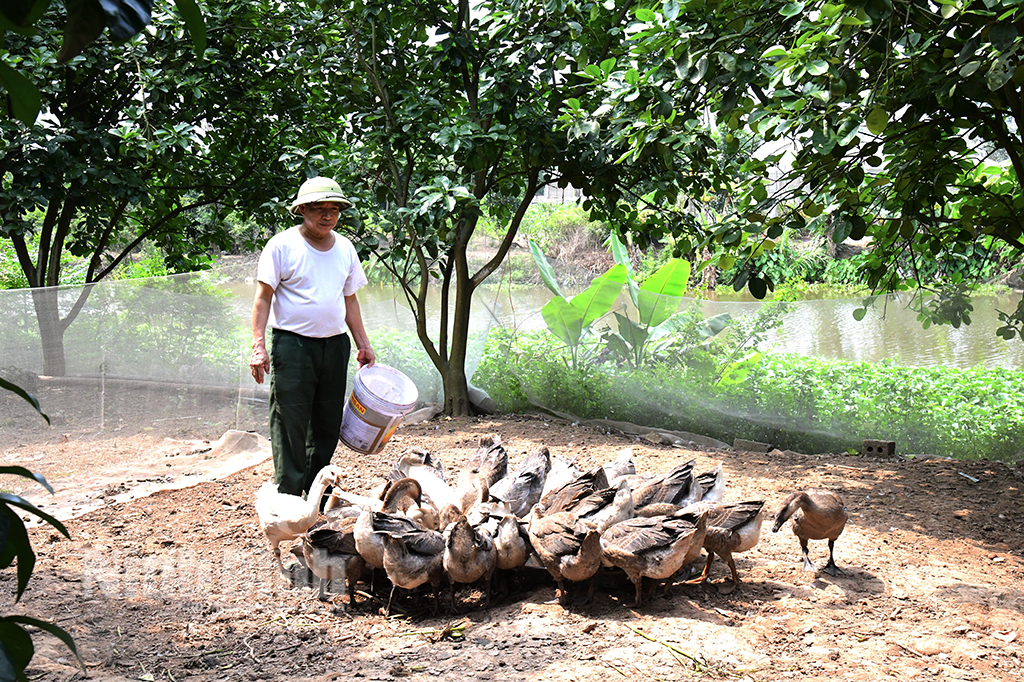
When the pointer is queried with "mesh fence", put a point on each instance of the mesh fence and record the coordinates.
(168, 355)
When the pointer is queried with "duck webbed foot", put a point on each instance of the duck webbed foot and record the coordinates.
(808, 566)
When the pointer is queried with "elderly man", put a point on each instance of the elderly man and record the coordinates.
(307, 280)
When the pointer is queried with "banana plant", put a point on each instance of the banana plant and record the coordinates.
(655, 300)
(572, 319)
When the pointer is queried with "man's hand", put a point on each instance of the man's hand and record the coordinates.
(259, 363)
(365, 356)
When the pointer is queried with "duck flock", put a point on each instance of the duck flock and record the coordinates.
(426, 527)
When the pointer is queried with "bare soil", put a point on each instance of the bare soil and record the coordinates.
(179, 583)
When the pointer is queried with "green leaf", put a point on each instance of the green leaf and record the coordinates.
(877, 121)
(17, 501)
(597, 299)
(547, 273)
(46, 626)
(17, 547)
(858, 227)
(737, 372)
(859, 313)
(25, 473)
(25, 99)
(1000, 73)
(969, 68)
(661, 293)
(621, 256)
(817, 67)
(1002, 35)
(16, 650)
(841, 232)
(948, 11)
(18, 390)
(791, 9)
(645, 14)
(812, 209)
(633, 334)
(702, 68)
(563, 320)
(757, 287)
(194, 23)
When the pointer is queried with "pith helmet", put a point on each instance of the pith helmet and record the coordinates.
(319, 189)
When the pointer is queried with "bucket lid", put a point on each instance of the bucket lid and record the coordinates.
(388, 384)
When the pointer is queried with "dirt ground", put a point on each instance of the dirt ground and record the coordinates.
(179, 583)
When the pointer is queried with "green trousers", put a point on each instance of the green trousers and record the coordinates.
(307, 398)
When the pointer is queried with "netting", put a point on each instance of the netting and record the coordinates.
(168, 355)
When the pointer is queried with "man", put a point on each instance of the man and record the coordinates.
(306, 286)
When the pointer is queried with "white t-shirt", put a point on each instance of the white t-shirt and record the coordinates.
(309, 286)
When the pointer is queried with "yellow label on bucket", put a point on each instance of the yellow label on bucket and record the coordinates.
(357, 405)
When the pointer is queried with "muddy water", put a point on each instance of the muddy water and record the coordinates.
(820, 328)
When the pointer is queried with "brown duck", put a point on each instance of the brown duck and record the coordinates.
(732, 528)
(817, 515)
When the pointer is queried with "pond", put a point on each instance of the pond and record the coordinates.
(822, 328)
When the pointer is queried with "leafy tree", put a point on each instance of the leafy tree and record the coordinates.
(85, 21)
(899, 120)
(455, 106)
(135, 139)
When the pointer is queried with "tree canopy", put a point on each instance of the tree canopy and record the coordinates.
(454, 108)
(899, 121)
(85, 21)
(141, 143)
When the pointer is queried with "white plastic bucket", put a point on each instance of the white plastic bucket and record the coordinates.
(381, 397)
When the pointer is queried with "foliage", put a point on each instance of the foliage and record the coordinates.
(84, 24)
(889, 114)
(138, 146)
(453, 108)
(794, 402)
(16, 648)
(655, 301)
(572, 320)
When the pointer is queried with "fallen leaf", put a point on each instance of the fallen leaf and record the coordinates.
(1005, 635)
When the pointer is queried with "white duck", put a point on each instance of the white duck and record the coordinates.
(420, 465)
(284, 517)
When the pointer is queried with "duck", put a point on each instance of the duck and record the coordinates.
(568, 548)
(469, 556)
(522, 487)
(368, 530)
(655, 547)
(817, 515)
(489, 460)
(413, 558)
(712, 485)
(283, 517)
(330, 553)
(604, 508)
(562, 471)
(426, 469)
(731, 529)
(560, 498)
(677, 487)
(509, 544)
(620, 467)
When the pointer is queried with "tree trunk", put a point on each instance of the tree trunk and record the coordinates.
(456, 384)
(51, 331)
